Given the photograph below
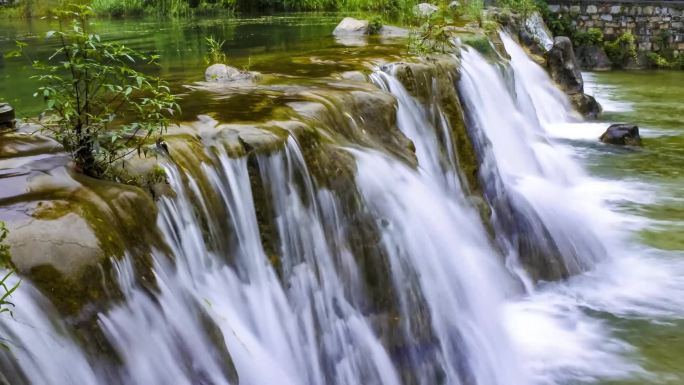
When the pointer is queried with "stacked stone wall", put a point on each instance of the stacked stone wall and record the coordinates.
(655, 25)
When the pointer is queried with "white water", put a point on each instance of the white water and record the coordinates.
(431, 235)
(535, 172)
(307, 328)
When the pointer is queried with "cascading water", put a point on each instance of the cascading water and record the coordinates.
(231, 305)
(542, 187)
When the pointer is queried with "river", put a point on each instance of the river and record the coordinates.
(469, 300)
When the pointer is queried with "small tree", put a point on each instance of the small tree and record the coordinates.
(99, 106)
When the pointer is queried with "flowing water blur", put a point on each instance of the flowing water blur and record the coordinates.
(471, 310)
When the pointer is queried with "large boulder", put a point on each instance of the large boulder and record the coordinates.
(563, 67)
(351, 27)
(593, 57)
(586, 105)
(622, 134)
(6, 116)
(221, 73)
(425, 10)
(535, 34)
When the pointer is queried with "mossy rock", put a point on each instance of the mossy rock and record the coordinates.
(66, 226)
(433, 81)
(359, 115)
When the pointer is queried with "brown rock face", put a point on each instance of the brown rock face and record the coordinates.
(563, 66)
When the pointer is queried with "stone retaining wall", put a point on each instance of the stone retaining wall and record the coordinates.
(656, 25)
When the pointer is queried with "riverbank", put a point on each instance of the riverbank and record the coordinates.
(31, 9)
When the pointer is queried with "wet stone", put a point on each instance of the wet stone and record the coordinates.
(6, 116)
(622, 134)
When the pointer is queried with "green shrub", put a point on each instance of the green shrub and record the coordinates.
(431, 37)
(522, 7)
(374, 25)
(99, 107)
(622, 49)
(560, 25)
(591, 37)
(657, 61)
(473, 10)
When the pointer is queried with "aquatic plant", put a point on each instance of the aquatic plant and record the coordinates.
(215, 54)
(98, 106)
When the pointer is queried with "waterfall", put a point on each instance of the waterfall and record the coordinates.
(537, 190)
(258, 280)
(432, 237)
(303, 330)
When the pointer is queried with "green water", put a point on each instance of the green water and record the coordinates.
(654, 101)
(299, 47)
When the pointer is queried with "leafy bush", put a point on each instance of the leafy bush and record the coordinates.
(591, 37)
(473, 10)
(99, 107)
(560, 25)
(374, 25)
(622, 49)
(432, 36)
(522, 7)
(657, 61)
(215, 53)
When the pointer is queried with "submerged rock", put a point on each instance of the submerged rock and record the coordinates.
(425, 9)
(563, 66)
(221, 73)
(350, 26)
(6, 116)
(393, 31)
(622, 134)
